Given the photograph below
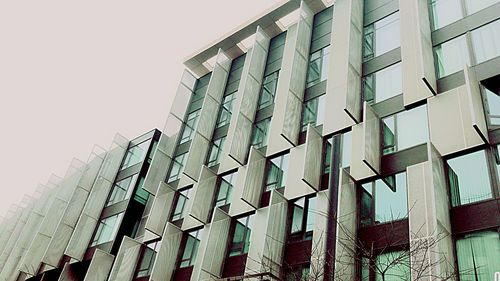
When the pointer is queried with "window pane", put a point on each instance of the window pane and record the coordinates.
(190, 126)
(180, 209)
(268, 91)
(477, 5)
(391, 205)
(493, 106)
(486, 41)
(394, 265)
(225, 190)
(215, 152)
(311, 213)
(313, 112)
(469, 180)
(383, 84)
(478, 255)
(106, 230)
(259, 133)
(226, 110)
(277, 172)
(298, 215)
(177, 167)
(387, 34)
(122, 190)
(451, 56)
(412, 127)
(135, 154)
(444, 12)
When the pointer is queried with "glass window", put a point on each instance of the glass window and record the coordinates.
(468, 178)
(191, 248)
(147, 259)
(226, 110)
(478, 255)
(327, 155)
(152, 151)
(383, 84)
(497, 160)
(241, 236)
(318, 67)
(135, 154)
(444, 12)
(492, 106)
(303, 217)
(107, 229)
(177, 167)
(225, 190)
(141, 195)
(346, 147)
(201, 88)
(381, 37)
(451, 56)
(477, 5)
(215, 151)
(277, 169)
(389, 197)
(486, 41)
(394, 266)
(122, 190)
(313, 112)
(180, 206)
(259, 133)
(405, 129)
(190, 126)
(268, 91)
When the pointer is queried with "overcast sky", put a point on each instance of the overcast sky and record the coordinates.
(73, 73)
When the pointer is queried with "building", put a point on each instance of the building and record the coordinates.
(354, 140)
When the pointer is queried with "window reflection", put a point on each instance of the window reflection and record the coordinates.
(383, 84)
(225, 190)
(493, 106)
(404, 129)
(177, 167)
(478, 255)
(381, 37)
(451, 56)
(180, 206)
(260, 133)
(486, 41)
(215, 151)
(241, 236)
(313, 112)
(107, 229)
(135, 154)
(468, 178)
(444, 12)
(384, 200)
(190, 251)
(277, 169)
(318, 67)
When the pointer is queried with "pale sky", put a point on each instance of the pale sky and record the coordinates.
(73, 73)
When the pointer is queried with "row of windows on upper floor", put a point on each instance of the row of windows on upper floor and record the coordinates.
(379, 86)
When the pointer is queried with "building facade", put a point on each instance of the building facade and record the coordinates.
(344, 140)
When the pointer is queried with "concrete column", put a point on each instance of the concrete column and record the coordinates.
(203, 197)
(159, 215)
(285, 125)
(417, 60)
(208, 117)
(366, 146)
(345, 249)
(431, 243)
(320, 232)
(268, 237)
(343, 88)
(212, 249)
(234, 152)
(126, 260)
(84, 229)
(254, 178)
(304, 169)
(166, 257)
(99, 267)
(456, 117)
(158, 169)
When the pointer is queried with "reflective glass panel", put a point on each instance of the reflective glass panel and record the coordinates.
(444, 12)
(469, 179)
(190, 126)
(107, 229)
(486, 41)
(493, 107)
(177, 167)
(477, 5)
(478, 255)
(381, 37)
(225, 190)
(259, 133)
(277, 172)
(268, 91)
(135, 154)
(122, 190)
(191, 248)
(215, 151)
(383, 84)
(451, 56)
(313, 112)
(395, 266)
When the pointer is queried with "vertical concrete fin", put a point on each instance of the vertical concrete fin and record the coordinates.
(254, 177)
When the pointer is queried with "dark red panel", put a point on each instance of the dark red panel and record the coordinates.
(394, 234)
(234, 266)
(298, 252)
(476, 216)
(182, 274)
